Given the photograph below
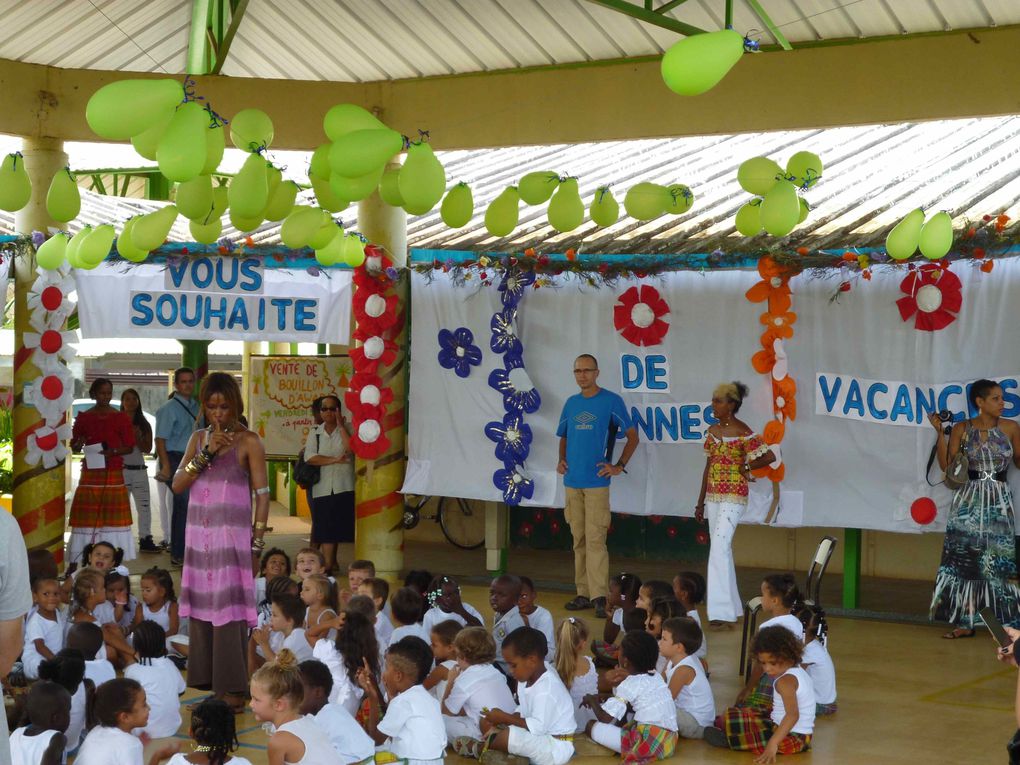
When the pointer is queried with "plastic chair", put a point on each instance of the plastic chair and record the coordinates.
(751, 610)
(820, 562)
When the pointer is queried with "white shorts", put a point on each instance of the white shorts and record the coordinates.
(539, 748)
(461, 726)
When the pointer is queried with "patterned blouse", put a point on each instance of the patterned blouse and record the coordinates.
(726, 483)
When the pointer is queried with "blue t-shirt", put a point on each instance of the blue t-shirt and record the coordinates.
(175, 422)
(585, 423)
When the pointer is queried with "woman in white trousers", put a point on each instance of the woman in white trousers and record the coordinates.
(733, 451)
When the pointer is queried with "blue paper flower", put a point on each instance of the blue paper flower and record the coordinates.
(457, 351)
(519, 393)
(512, 437)
(504, 333)
(513, 284)
(514, 482)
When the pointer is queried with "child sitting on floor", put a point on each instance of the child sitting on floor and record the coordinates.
(444, 599)
(309, 561)
(379, 591)
(474, 684)
(319, 597)
(162, 681)
(284, 630)
(48, 713)
(118, 595)
(575, 668)
(412, 726)
(277, 586)
(504, 592)
(405, 609)
(88, 638)
(120, 708)
(653, 590)
(358, 572)
(686, 678)
(100, 556)
(624, 590)
(355, 645)
(348, 738)
(816, 659)
(275, 562)
(788, 728)
(67, 669)
(689, 588)
(45, 628)
(445, 655)
(214, 731)
(532, 614)
(661, 610)
(780, 597)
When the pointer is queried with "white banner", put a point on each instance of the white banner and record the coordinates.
(843, 470)
(214, 298)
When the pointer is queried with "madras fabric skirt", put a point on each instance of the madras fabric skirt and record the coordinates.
(761, 697)
(100, 510)
(642, 743)
(749, 730)
(821, 710)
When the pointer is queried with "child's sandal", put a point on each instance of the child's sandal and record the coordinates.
(466, 746)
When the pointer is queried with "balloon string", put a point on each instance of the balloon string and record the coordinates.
(423, 136)
(601, 192)
(215, 120)
(752, 44)
(189, 90)
(16, 154)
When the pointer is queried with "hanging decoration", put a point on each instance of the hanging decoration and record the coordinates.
(776, 208)
(15, 185)
(458, 352)
(638, 316)
(933, 297)
(698, 63)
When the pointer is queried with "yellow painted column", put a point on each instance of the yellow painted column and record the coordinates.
(38, 492)
(379, 535)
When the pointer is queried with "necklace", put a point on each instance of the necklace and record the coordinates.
(202, 749)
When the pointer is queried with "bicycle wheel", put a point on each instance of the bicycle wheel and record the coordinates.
(460, 525)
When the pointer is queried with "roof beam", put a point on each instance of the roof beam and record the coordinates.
(765, 19)
(214, 24)
(655, 17)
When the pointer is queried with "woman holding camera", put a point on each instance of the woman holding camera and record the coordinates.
(978, 566)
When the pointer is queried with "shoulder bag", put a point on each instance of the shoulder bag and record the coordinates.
(307, 475)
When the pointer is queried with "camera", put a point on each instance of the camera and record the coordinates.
(945, 415)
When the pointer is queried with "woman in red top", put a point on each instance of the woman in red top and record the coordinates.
(100, 509)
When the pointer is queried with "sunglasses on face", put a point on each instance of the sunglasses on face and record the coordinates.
(327, 409)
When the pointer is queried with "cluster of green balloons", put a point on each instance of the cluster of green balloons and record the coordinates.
(777, 208)
(646, 201)
(696, 64)
(15, 185)
(84, 250)
(934, 237)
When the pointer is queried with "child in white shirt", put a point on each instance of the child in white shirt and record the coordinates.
(275, 562)
(67, 669)
(162, 681)
(685, 676)
(379, 591)
(474, 684)
(443, 597)
(504, 592)
(535, 615)
(575, 668)
(405, 608)
(780, 597)
(412, 726)
(817, 660)
(285, 630)
(215, 734)
(88, 638)
(690, 587)
(120, 708)
(349, 739)
(48, 711)
(355, 645)
(45, 628)
(445, 655)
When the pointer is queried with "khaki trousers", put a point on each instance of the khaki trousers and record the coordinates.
(587, 512)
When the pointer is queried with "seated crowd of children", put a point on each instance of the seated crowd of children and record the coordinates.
(358, 674)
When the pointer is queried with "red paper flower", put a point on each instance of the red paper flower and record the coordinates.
(933, 297)
(638, 314)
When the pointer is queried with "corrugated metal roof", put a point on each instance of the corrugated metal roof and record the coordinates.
(365, 40)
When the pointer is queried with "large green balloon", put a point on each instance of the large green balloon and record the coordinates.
(151, 230)
(566, 210)
(325, 196)
(215, 145)
(300, 226)
(536, 188)
(804, 169)
(696, 64)
(780, 209)
(604, 210)
(71, 252)
(63, 200)
(282, 201)
(96, 246)
(273, 180)
(182, 148)
(206, 233)
(251, 130)
(458, 207)
(936, 237)
(50, 254)
(353, 250)
(332, 253)
(146, 143)
(126, 108)
(320, 162)
(126, 247)
(346, 118)
(389, 187)
(748, 220)
(248, 191)
(422, 179)
(902, 241)
(220, 202)
(327, 231)
(194, 198)
(758, 175)
(503, 212)
(244, 223)
(645, 201)
(15, 185)
(361, 152)
(355, 189)
(680, 199)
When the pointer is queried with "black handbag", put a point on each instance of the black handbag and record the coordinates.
(305, 475)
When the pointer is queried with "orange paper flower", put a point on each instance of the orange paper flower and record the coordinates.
(784, 397)
(779, 324)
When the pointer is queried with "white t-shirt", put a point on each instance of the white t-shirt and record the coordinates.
(702, 652)
(260, 589)
(296, 642)
(161, 616)
(52, 635)
(383, 630)
(345, 692)
(546, 706)
(109, 746)
(789, 621)
(649, 697)
(104, 613)
(163, 684)
(77, 724)
(502, 627)
(821, 670)
(99, 671)
(617, 618)
(439, 688)
(479, 686)
(29, 750)
(182, 759)
(414, 724)
(805, 702)
(542, 621)
(695, 697)
(318, 749)
(435, 615)
(333, 479)
(347, 737)
(406, 630)
(582, 686)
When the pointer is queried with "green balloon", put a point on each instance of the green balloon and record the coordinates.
(748, 220)
(353, 250)
(273, 180)
(645, 201)
(71, 252)
(604, 210)
(126, 248)
(696, 64)
(780, 209)
(902, 241)
(96, 246)
(389, 187)
(126, 108)
(332, 253)
(503, 212)
(215, 145)
(50, 254)
(63, 200)
(206, 233)
(536, 188)
(804, 169)
(680, 199)
(282, 201)
(422, 179)
(151, 230)
(182, 149)
(326, 233)
(805, 208)
(15, 185)
(300, 226)
(220, 202)
(355, 189)
(346, 118)
(320, 162)
(758, 175)
(146, 143)
(248, 191)
(459, 206)
(194, 198)
(363, 151)
(566, 210)
(244, 223)
(251, 130)
(936, 237)
(325, 196)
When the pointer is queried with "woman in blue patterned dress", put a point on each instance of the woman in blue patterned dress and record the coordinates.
(978, 566)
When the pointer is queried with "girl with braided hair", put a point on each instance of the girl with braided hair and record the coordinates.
(215, 735)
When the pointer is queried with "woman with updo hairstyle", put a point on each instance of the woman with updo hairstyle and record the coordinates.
(101, 509)
(978, 566)
(733, 451)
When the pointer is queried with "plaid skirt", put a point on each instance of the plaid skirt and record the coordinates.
(761, 697)
(642, 743)
(821, 710)
(100, 501)
(749, 730)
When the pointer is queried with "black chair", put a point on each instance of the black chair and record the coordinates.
(751, 610)
(813, 589)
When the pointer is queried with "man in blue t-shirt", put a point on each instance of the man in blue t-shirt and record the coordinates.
(590, 420)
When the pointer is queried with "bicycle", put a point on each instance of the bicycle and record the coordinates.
(454, 516)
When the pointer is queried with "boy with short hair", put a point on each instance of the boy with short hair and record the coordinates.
(679, 642)
(533, 614)
(285, 630)
(405, 606)
(309, 561)
(504, 592)
(348, 738)
(87, 637)
(379, 590)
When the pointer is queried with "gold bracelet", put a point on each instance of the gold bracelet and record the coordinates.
(260, 525)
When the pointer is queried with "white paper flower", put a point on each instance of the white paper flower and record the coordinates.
(370, 395)
(47, 445)
(51, 346)
(642, 315)
(374, 347)
(780, 369)
(375, 306)
(51, 394)
(48, 296)
(369, 431)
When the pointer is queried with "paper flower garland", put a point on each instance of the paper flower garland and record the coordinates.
(933, 297)
(504, 333)
(638, 314)
(47, 445)
(519, 393)
(512, 437)
(515, 483)
(457, 351)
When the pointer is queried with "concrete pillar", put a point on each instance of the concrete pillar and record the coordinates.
(38, 493)
(379, 535)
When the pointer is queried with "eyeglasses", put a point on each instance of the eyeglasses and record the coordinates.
(584, 371)
(327, 408)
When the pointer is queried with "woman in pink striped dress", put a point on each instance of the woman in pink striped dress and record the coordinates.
(224, 464)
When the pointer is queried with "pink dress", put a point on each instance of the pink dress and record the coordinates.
(217, 584)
